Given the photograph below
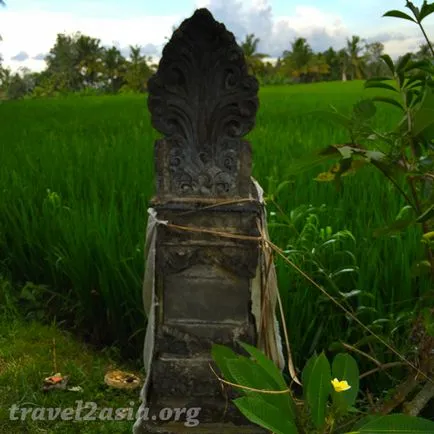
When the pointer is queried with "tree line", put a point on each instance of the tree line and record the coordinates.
(357, 60)
(78, 63)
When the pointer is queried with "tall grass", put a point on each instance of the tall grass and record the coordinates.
(76, 177)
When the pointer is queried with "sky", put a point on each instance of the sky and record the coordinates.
(29, 27)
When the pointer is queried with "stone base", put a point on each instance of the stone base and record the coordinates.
(207, 428)
(215, 416)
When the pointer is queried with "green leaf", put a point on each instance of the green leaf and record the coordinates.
(265, 415)
(221, 355)
(401, 78)
(365, 109)
(398, 14)
(426, 9)
(318, 389)
(305, 376)
(380, 85)
(405, 212)
(398, 423)
(423, 120)
(249, 373)
(350, 294)
(403, 61)
(389, 62)
(395, 228)
(281, 186)
(379, 79)
(276, 377)
(344, 367)
(410, 94)
(364, 421)
(388, 101)
(413, 8)
(422, 65)
(268, 365)
(428, 214)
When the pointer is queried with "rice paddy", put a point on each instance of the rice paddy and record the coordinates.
(76, 177)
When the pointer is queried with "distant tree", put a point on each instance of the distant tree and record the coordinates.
(75, 62)
(355, 59)
(20, 84)
(296, 61)
(253, 58)
(332, 59)
(89, 60)
(375, 67)
(344, 62)
(62, 63)
(115, 69)
(317, 68)
(5, 77)
(137, 71)
(424, 52)
(301, 53)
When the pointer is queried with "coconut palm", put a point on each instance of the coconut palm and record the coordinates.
(355, 60)
(89, 59)
(317, 67)
(253, 58)
(138, 70)
(344, 62)
(297, 61)
(115, 68)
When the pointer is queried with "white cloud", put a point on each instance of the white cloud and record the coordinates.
(322, 29)
(34, 31)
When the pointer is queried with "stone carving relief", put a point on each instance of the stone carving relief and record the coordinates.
(203, 101)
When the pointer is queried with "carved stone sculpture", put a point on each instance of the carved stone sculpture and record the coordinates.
(203, 101)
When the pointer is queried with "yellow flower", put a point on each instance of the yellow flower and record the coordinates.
(340, 386)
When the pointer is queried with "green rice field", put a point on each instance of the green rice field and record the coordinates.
(76, 177)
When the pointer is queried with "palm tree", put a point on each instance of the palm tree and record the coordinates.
(356, 63)
(344, 63)
(115, 67)
(297, 60)
(89, 59)
(317, 67)
(138, 70)
(253, 58)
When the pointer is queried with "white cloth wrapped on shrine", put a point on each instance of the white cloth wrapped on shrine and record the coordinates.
(263, 297)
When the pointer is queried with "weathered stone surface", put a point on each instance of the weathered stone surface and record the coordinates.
(206, 294)
(186, 339)
(215, 416)
(208, 428)
(203, 101)
(184, 376)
